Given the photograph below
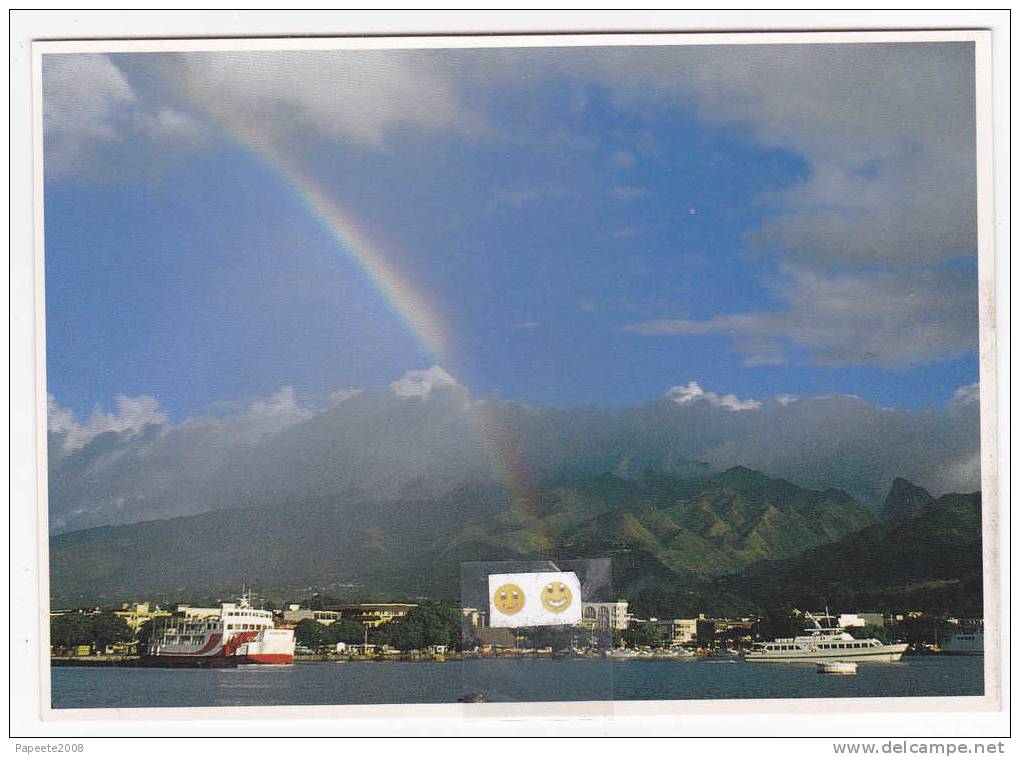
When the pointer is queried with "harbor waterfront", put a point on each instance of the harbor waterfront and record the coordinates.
(504, 680)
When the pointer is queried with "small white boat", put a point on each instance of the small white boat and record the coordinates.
(838, 668)
(622, 654)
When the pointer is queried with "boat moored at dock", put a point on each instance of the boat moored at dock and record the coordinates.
(823, 642)
(233, 634)
(968, 639)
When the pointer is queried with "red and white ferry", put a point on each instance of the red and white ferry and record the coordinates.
(234, 634)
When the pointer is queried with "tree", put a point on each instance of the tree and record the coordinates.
(69, 630)
(643, 635)
(344, 630)
(778, 623)
(310, 633)
(146, 631)
(871, 632)
(425, 625)
(107, 628)
(99, 630)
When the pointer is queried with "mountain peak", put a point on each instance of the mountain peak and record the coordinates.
(905, 499)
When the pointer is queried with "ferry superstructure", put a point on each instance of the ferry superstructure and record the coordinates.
(825, 642)
(234, 634)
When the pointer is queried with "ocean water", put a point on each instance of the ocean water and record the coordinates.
(504, 680)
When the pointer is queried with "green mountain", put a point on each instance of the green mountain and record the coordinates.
(905, 500)
(931, 561)
(660, 531)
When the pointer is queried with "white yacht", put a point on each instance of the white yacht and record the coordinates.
(824, 641)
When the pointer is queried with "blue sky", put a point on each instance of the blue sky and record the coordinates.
(592, 226)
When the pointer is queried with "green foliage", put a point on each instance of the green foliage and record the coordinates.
(931, 562)
(69, 630)
(686, 602)
(145, 632)
(344, 630)
(310, 633)
(98, 630)
(425, 625)
(643, 635)
(923, 630)
(317, 636)
(661, 531)
(779, 623)
(729, 544)
(872, 632)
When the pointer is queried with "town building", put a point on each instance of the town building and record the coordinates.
(605, 615)
(498, 638)
(860, 620)
(294, 614)
(682, 631)
(374, 614)
(77, 610)
(138, 614)
(193, 613)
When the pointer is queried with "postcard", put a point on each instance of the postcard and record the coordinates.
(599, 371)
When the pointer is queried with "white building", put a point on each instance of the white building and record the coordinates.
(295, 615)
(684, 630)
(860, 620)
(193, 613)
(605, 615)
(851, 620)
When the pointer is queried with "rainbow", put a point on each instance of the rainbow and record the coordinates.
(419, 314)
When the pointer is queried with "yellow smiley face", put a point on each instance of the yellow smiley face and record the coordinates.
(508, 599)
(557, 596)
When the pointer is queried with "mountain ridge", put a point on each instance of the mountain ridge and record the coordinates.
(659, 528)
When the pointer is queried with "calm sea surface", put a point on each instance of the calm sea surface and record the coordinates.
(505, 680)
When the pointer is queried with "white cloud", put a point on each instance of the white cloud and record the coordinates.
(964, 396)
(683, 395)
(132, 415)
(887, 319)
(269, 415)
(354, 95)
(82, 99)
(383, 448)
(341, 395)
(90, 110)
(786, 399)
(422, 383)
(168, 125)
(887, 132)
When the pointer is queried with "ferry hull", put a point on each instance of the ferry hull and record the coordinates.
(187, 661)
(272, 647)
(265, 659)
